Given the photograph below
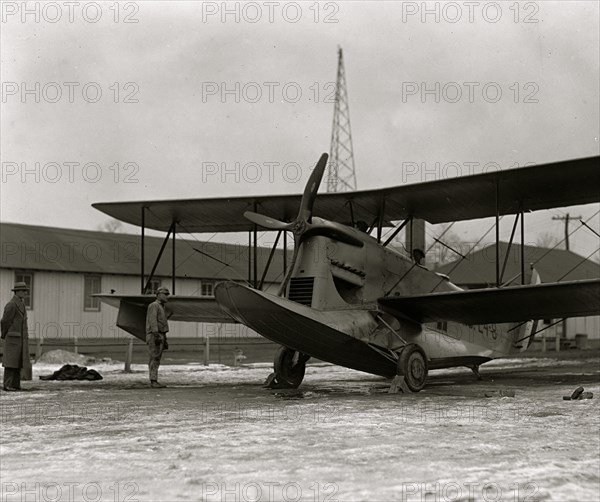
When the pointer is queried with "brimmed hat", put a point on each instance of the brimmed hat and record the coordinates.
(163, 290)
(20, 286)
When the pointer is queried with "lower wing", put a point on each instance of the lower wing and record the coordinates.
(500, 305)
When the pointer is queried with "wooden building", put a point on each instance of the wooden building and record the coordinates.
(64, 267)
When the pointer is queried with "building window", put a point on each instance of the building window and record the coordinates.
(91, 287)
(27, 278)
(207, 289)
(153, 286)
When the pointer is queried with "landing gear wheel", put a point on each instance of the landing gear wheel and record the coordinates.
(290, 366)
(412, 365)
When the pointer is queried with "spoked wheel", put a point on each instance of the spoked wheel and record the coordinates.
(412, 365)
(290, 367)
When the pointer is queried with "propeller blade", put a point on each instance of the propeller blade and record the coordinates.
(311, 189)
(266, 222)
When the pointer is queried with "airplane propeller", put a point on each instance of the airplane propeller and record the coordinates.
(303, 226)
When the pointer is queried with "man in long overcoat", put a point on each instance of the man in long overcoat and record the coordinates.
(14, 333)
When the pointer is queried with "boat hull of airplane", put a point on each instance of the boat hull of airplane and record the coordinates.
(300, 328)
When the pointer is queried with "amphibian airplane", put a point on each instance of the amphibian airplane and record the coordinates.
(349, 299)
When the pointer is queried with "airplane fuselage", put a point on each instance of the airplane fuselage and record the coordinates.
(331, 304)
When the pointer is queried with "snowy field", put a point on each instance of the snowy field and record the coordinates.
(214, 434)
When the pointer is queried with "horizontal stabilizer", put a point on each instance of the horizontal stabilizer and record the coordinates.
(132, 310)
(500, 305)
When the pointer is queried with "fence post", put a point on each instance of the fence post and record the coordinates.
(206, 350)
(129, 356)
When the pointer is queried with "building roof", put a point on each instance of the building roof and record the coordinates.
(553, 265)
(34, 247)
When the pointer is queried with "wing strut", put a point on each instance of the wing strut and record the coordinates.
(284, 252)
(255, 251)
(351, 213)
(381, 218)
(372, 225)
(143, 249)
(512, 235)
(522, 246)
(535, 332)
(162, 248)
(264, 275)
(497, 234)
(145, 284)
(173, 258)
(398, 229)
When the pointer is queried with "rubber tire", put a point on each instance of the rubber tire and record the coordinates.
(286, 370)
(412, 365)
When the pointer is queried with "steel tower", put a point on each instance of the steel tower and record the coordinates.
(341, 176)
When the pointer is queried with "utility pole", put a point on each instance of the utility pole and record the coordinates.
(566, 220)
(341, 177)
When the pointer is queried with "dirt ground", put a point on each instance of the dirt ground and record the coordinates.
(214, 434)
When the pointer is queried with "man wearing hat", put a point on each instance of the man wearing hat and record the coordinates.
(157, 327)
(14, 333)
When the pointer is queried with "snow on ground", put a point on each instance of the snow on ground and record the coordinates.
(215, 435)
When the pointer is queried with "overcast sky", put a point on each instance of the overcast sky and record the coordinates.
(144, 100)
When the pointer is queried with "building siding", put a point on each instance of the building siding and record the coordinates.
(58, 311)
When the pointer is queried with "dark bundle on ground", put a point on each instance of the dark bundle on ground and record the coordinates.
(73, 372)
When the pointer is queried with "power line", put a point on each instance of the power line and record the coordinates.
(566, 219)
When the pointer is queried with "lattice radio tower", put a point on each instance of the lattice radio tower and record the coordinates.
(341, 176)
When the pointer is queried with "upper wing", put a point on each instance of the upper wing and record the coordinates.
(514, 304)
(532, 188)
(132, 311)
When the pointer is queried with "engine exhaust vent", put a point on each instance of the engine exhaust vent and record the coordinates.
(301, 290)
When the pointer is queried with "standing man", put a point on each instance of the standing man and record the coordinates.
(157, 327)
(14, 333)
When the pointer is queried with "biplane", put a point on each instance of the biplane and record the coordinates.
(349, 298)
